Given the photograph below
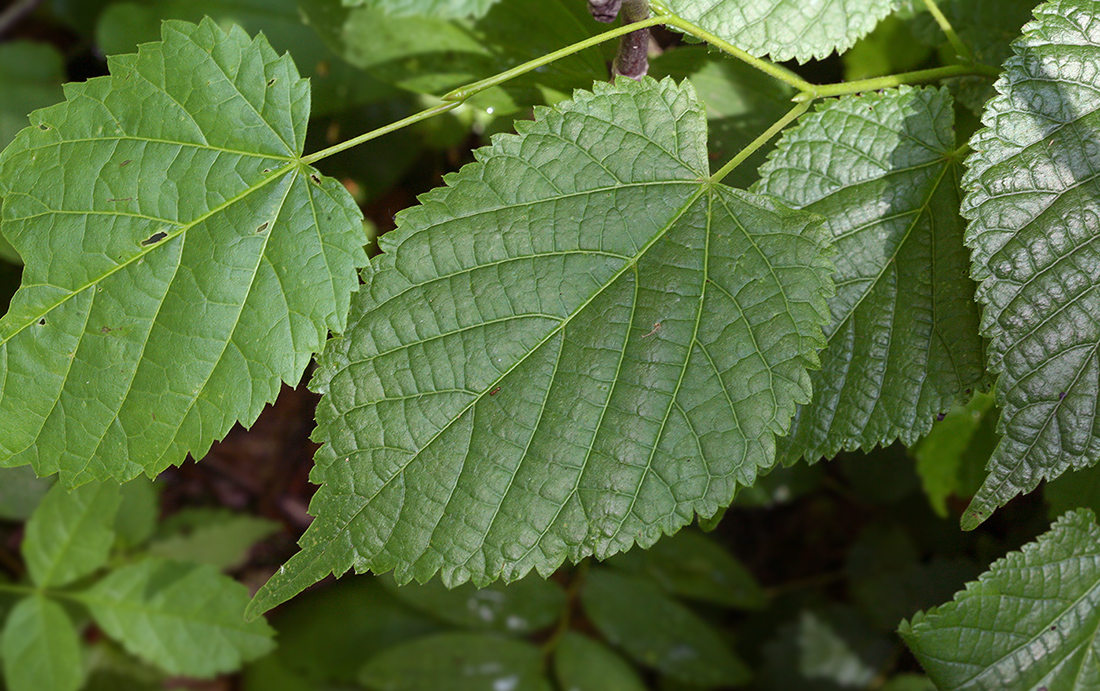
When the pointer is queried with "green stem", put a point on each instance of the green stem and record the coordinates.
(771, 69)
(464, 92)
(948, 31)
(845, 88)
(17, 589)
(760, 141)
(374, 134)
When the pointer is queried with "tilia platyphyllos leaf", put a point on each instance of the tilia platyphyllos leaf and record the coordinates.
(577, 345)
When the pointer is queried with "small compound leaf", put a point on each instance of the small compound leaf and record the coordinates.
(582, 664)
(578, 345)
(658, 632)
(223, 542)
(40, 648)
(183, 618)
(195, 141)
(446, 9)
(785, 29)
(1033, 199)
(457, 662)
(70, 533)
(903, 341)
(1030, 622)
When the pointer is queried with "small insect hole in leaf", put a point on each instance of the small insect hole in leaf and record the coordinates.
(263, 227)
(42, 322)
(43, 126)
(316, 180)
(940, 417)
(154, 239)
(1061, 395)
(271, 82)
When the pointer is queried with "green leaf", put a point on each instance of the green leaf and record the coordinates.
(903, 340)
(450, 9)
(184, 618)
(692, 566)
(40, 648)
(1079, 489)
(434, 55)
(956, 447)
(741, 103)
(1029, 622)
(457, 662)
(223, 543)
(334, 84)
(137, 514)
(827, 650)
(71, 533)
(576, 346)
(20, 492)
(658, 632)
(30, 78)
(519, 608)
(1032, 195)
(212, 239)
(323, 634)
(582, 664)
(891, 48)
(785, 29)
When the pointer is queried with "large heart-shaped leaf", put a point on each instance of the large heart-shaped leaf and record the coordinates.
(181, 261)
(578, 345)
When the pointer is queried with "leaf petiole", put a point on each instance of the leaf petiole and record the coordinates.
(792, 115)
(859, 86)
(949, 31)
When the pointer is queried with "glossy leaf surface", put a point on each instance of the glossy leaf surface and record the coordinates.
(903, 341)
(576, 346)
(1033, 198)
(163, 211)
(1030, 622)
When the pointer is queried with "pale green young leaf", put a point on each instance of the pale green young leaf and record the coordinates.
(224, 543)
(785, 29)
(70, 533)
(448, 9)
(956, 450)
(658, 632)
(577, 345)
(1030, 622)
(903, 340)
(457, 662)
(1032, 195)
(582, 664)
(181, 263)
(184, 618)
(40, 648)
